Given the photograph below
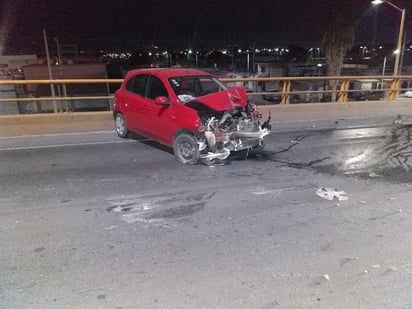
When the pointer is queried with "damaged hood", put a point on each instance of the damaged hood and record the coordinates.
(225, 100)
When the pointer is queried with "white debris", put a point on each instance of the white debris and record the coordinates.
(330, 193)
(326, 276)
(375, 175)
(117, 209)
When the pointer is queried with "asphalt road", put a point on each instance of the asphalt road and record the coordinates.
(91, 221)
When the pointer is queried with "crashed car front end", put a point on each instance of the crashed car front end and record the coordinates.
(235, 130)
(227, 121)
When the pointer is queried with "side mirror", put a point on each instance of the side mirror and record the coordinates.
(162, 100)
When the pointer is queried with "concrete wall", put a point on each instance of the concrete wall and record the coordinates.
(18, 61)
(284, 117)
(84, 71)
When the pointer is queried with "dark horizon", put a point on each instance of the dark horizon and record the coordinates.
(134, 24)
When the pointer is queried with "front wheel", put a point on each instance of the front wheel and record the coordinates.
(121, 126)
(186, 149)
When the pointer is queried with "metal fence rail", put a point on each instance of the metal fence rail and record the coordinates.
(317, 88)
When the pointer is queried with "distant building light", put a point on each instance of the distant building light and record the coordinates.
(320, 65)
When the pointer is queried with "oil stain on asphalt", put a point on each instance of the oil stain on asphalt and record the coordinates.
(159, 208)
(388, 158)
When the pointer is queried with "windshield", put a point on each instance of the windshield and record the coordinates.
(188, 88)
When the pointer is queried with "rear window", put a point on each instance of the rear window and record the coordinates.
(137, 84)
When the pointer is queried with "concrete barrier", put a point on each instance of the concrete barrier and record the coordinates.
(337, 115)
(284, 117)
(17, 125)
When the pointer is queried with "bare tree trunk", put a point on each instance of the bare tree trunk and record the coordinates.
(334, 62)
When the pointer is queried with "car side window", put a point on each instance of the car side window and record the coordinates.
(137, 84)
(156, 88)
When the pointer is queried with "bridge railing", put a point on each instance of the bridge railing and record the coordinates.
(65, 95)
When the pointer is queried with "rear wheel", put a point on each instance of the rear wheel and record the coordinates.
(186, 149)
(121, 126)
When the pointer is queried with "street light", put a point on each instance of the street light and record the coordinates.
(400, 36)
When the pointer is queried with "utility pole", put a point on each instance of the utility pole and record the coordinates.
(46, 46)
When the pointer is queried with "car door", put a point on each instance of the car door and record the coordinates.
(159, 120)
(134, 101)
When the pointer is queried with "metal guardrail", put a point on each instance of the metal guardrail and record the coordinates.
(387, 87)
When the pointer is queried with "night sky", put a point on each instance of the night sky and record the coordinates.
(118, 23)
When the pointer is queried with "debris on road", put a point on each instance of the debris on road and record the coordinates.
(374, 175)
(330, 193)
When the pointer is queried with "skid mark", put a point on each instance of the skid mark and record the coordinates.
(159, 208)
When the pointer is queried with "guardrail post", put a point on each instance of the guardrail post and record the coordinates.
(343, 92)
(286, 91)
(393, 93)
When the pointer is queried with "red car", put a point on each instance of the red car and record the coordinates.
(189, 110)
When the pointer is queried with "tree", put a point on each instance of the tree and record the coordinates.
(338, 38)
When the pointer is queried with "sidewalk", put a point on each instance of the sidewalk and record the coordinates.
(284, 118)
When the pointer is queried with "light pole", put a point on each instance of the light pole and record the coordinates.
(400, 36)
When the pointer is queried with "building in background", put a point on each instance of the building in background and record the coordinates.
(11, 68)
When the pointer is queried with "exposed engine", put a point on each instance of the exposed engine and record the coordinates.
(229, 131)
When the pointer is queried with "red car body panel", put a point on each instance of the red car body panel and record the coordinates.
(191, 111)
(225, 100)
(161, 122)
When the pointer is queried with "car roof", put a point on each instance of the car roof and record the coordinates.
(169, 72)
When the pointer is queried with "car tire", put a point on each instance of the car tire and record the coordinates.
(186, 149)
(121, 126)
